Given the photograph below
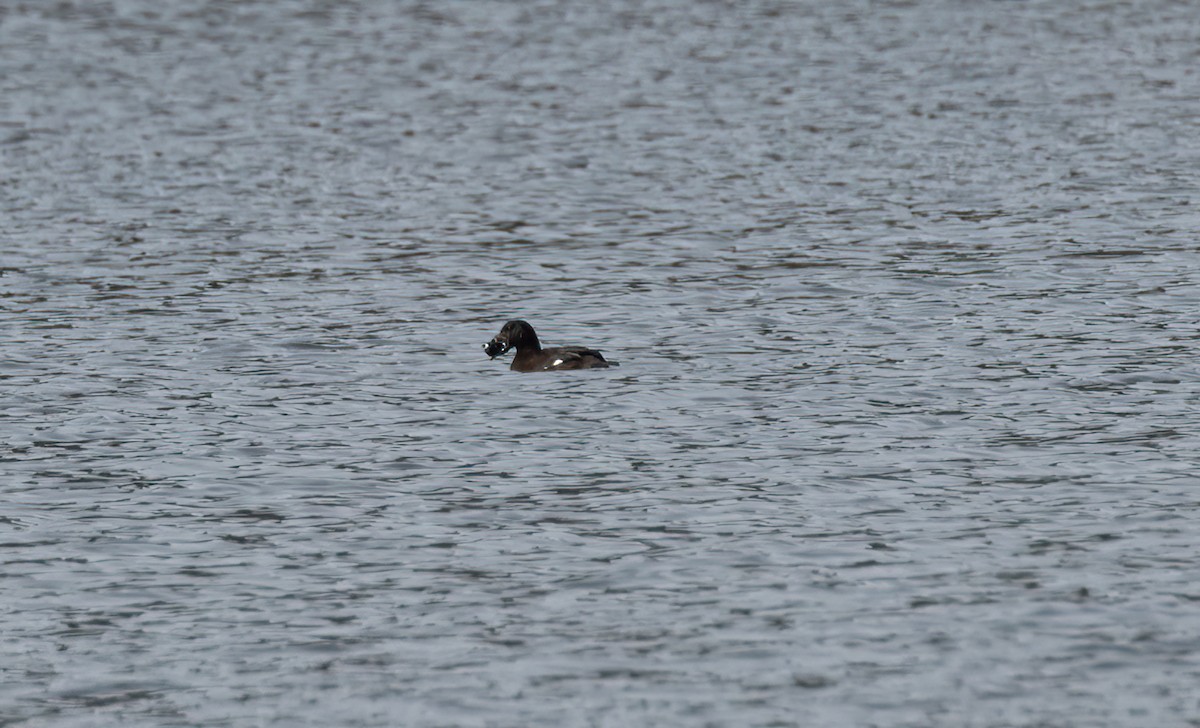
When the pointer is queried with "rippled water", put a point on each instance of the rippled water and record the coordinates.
(906, 427)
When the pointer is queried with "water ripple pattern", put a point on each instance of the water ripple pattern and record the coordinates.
(905, 431)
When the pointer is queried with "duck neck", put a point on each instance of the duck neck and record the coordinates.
(528, 342)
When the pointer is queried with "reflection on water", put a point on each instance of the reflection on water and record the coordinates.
(905, 427)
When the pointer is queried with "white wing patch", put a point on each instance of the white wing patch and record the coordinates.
(557, 362)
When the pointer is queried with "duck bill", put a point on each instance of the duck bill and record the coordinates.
(496, 347)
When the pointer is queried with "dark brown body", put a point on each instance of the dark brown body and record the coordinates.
(531, 357)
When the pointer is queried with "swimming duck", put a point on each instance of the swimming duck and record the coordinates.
(531, 357)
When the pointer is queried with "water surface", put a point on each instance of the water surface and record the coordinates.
(905, 430)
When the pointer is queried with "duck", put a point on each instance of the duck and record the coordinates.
(531, 357)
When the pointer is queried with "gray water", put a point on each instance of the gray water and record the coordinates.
(906, 430)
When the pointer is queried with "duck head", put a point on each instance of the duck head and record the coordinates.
(515, 333)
